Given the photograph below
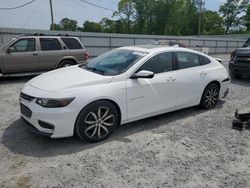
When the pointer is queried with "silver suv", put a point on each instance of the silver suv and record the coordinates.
(35, 54)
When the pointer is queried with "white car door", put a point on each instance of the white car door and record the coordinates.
(191, 79)
(146, 96)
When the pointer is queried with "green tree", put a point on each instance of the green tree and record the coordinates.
(92, 27)
(143, 9)
(67, 24)
(190, 18)
(247, 18)
(212, 23)
(160, 11)
(175, 17)
(108, 25)
(56, 27)
(126, 11)
(165, 17)
(231, 12)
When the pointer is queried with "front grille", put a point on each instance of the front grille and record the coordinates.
(241, 59)
(25, 111)
(26, 97)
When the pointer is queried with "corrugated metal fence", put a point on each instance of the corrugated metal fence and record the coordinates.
(98, 43)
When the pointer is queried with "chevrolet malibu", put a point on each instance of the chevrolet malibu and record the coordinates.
(121, 86)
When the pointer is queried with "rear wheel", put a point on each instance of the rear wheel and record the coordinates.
(66, 63)
(210, 96)
(97, 121)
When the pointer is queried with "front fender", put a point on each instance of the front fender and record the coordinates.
(114, 91)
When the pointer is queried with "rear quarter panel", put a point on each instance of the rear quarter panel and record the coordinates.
(217, 72)
(78, 55)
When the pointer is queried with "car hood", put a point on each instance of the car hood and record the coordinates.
(243, 52)
(67, 78)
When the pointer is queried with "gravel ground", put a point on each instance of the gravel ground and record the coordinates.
(187, 148)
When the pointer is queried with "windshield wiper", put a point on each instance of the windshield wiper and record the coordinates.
(95, 70)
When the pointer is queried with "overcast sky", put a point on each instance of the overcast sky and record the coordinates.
(37, 14)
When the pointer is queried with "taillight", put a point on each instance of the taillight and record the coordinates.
(86, 55)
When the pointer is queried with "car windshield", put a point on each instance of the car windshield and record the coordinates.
(6, 43)
(114, 62)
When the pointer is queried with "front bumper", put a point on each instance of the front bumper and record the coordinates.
(241, 69)
(224, 90)
(33, 129)
(52, 122)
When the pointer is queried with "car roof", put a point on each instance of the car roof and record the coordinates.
(157, 48)
(44, 36)
(146, 48)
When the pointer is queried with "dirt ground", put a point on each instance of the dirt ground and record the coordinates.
(187, 148)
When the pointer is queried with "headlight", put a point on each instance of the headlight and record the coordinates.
(54, 103)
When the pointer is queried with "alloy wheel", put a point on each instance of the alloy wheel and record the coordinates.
(211, 97)
(98, 124)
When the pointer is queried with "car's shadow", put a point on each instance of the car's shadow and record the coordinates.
(245, 81)
(18, 140)
(14, 80)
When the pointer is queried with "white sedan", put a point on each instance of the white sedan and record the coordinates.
(121, 86)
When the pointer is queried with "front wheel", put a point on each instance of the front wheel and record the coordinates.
(97, 121)
(210, 96)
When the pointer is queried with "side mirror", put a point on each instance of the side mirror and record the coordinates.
(218, 59)
(143, 74)
(245, 45)
(10, 50)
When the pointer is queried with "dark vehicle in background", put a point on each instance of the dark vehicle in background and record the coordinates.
(247, 43)
(239, 64)
(34, 54)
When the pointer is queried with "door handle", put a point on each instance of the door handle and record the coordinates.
(171, 79)
(203, 73)
(35, 54)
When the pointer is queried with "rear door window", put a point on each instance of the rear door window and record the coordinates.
(187, 60)
(204, 60)
(72, 43)
(49, 44)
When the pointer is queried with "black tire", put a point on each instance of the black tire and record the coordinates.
(66, 63)
(97, 121)
(210, 96)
